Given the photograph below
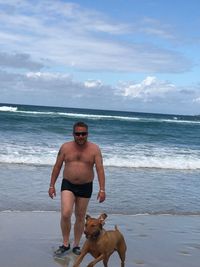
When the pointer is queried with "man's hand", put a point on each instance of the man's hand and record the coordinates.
(101, 196)
(52, 192)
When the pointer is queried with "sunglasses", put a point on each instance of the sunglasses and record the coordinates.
(80, 133)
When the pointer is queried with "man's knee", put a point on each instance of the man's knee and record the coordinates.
(80, 216)
(66, 215)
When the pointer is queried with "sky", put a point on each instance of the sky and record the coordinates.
(133, 55)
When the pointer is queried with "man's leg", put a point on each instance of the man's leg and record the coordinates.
(81, 205)
(67, 202)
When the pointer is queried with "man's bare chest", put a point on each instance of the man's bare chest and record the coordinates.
(80, 157)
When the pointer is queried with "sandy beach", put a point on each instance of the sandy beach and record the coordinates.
(29, 239)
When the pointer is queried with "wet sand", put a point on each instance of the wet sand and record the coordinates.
(28, 239)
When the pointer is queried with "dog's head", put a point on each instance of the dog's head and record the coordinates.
(93, 226)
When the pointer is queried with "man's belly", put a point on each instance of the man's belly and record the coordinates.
(78, 173)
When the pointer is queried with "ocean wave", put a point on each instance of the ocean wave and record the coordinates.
(99, 116)
(132, 156)
(153, 162)
(8, 109)
(68, 114)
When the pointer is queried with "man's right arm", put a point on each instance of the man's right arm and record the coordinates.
(55, 172)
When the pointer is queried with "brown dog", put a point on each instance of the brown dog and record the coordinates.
(101, 243)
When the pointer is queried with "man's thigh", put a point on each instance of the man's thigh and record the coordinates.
(67, 202)
(81, 204)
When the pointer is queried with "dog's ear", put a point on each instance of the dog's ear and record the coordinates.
(87, 216)
(104, 215)
(102, 218)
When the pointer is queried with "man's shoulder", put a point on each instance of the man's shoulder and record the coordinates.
(67, 144)
(93, 145)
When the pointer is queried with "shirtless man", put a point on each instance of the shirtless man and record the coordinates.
(79, 157)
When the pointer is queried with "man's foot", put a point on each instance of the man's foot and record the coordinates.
(62, 250)
(76, 250)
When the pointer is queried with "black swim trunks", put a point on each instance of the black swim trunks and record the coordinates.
(79, 190)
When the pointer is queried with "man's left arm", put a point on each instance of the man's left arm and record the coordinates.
(101, 176)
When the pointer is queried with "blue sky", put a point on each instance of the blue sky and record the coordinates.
(133, 55)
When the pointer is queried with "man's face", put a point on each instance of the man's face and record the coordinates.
(80, 135)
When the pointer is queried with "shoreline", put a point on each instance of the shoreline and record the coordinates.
(29, 239)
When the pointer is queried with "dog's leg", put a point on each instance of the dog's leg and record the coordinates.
(105, 261)
(122, 255)
(122, 251)
(79, 259)
(84, 251)
(92, 263)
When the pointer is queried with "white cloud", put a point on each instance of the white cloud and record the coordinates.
(93, 83)
(43, 88)
(40, 38)
(148, 88)
(155, 28)
(47, 76)
(196, 100)
(69, 35)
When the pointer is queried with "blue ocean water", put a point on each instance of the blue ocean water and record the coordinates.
(152, 161)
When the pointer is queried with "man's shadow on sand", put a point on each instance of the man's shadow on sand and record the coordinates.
(65, 261)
